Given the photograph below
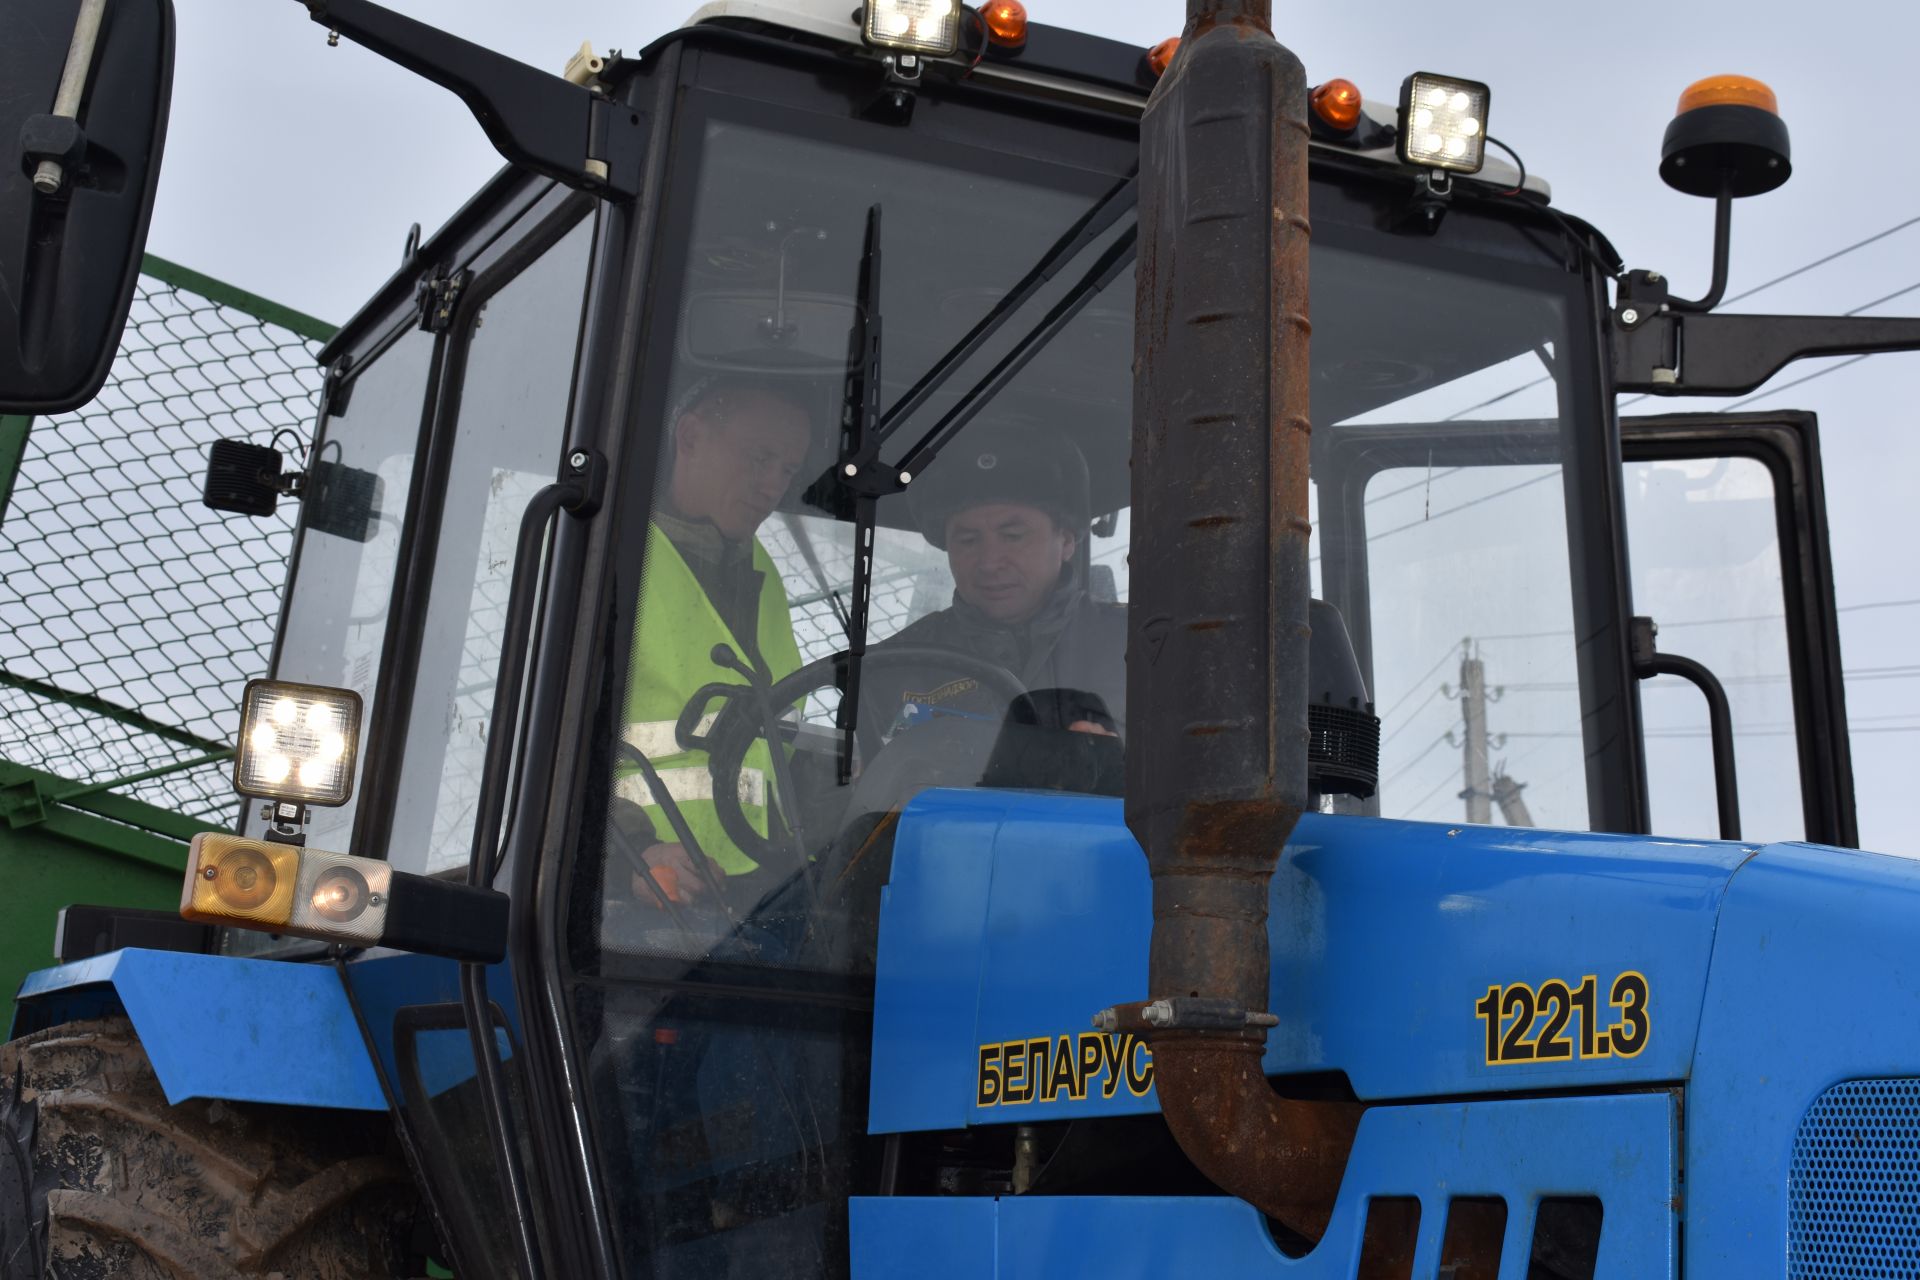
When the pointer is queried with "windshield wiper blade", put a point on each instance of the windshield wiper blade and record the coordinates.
(859, 472)
(861, 442)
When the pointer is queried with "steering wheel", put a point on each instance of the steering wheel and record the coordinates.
(739, 724)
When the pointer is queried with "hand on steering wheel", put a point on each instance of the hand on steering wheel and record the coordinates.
(738, 724)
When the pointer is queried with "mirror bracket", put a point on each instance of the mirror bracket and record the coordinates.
(537, 120)
(55, 138)
(438, 296)
(1663, 352)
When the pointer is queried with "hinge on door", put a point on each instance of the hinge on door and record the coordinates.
(337, 390)
(438, 296)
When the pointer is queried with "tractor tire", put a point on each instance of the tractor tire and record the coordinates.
(100, 1177)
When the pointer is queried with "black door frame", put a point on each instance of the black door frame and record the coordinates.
(1787, 443)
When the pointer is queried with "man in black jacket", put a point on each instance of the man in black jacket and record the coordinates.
(1010, 510)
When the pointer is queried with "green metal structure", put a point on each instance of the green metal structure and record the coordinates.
(128, 613)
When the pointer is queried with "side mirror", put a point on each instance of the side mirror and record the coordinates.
(82, 122)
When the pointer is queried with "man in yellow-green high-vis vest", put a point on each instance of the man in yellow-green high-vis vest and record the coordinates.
(735, 446)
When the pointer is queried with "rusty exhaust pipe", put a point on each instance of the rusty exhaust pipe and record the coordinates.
(1217, 660)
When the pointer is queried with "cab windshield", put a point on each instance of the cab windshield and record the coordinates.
(806, 654)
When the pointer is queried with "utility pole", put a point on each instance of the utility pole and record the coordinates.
(1473, 709)
(1513, 806)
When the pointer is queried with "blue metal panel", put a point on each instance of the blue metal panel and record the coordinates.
(416, 999)
(1816, 980)
(222, 1026)
(1013, 917)
(1619, 1149)
(932, 931)
(1386, 933)
(944, 1239)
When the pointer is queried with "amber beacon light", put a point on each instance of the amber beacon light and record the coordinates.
(1721, 91)
(1337, 104)
(1006, 23)
(1727, 138)
(1160, 57)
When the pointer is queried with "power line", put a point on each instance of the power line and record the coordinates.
(1413, 808)
(1422, 482)
(1698, 622)
(1899, 671)
(1797, 382)
(1415, 686)
(1854, 723)
(1802, 270)
(1877, 604)
(1504, 395)
(1821, 262)
(1761, 395)
(1759, 288)
(1408, 767)
(1678, 734)
(1497, 493)
(1410, 721)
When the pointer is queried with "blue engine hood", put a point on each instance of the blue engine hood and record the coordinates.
(1011, 918)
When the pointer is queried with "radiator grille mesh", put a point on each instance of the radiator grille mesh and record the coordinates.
(1854, 1195)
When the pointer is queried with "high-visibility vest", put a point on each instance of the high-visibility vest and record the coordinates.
(672, 660)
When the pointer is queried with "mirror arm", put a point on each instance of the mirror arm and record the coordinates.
(536, 120)
(1670, 354)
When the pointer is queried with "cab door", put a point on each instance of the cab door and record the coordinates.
(1727, 535)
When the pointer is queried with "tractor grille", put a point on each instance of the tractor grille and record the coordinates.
(1854, 1196)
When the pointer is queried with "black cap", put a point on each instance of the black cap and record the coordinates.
(1030, 467)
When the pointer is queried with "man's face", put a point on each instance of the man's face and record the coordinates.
(736, 454)
(1006, 558)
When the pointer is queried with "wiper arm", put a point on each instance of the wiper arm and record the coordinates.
(1114, 205)
(865, 429)
(1117, 258)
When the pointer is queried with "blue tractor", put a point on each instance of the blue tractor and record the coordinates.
(591, 914)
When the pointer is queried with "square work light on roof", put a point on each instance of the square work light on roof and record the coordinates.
(914, 26)
(297, 742)
(1443, 122)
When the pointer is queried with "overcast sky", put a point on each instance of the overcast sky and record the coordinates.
(294, 170)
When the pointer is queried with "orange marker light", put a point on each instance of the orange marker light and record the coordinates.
(1161, 55)
(1006, 22)
(1728, 91)
(1337, 103)
(231, 880)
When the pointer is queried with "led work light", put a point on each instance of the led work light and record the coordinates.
(915, 26)
(297, 742)
(308, 893)
(1443, 122)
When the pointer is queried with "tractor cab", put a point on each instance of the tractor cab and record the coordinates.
(707, 629)
(871, 295)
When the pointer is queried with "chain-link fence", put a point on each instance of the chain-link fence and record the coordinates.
(130, 614)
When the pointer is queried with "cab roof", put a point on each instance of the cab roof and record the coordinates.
(1058, 62)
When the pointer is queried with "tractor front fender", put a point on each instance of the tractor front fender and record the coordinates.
(222, 1027)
